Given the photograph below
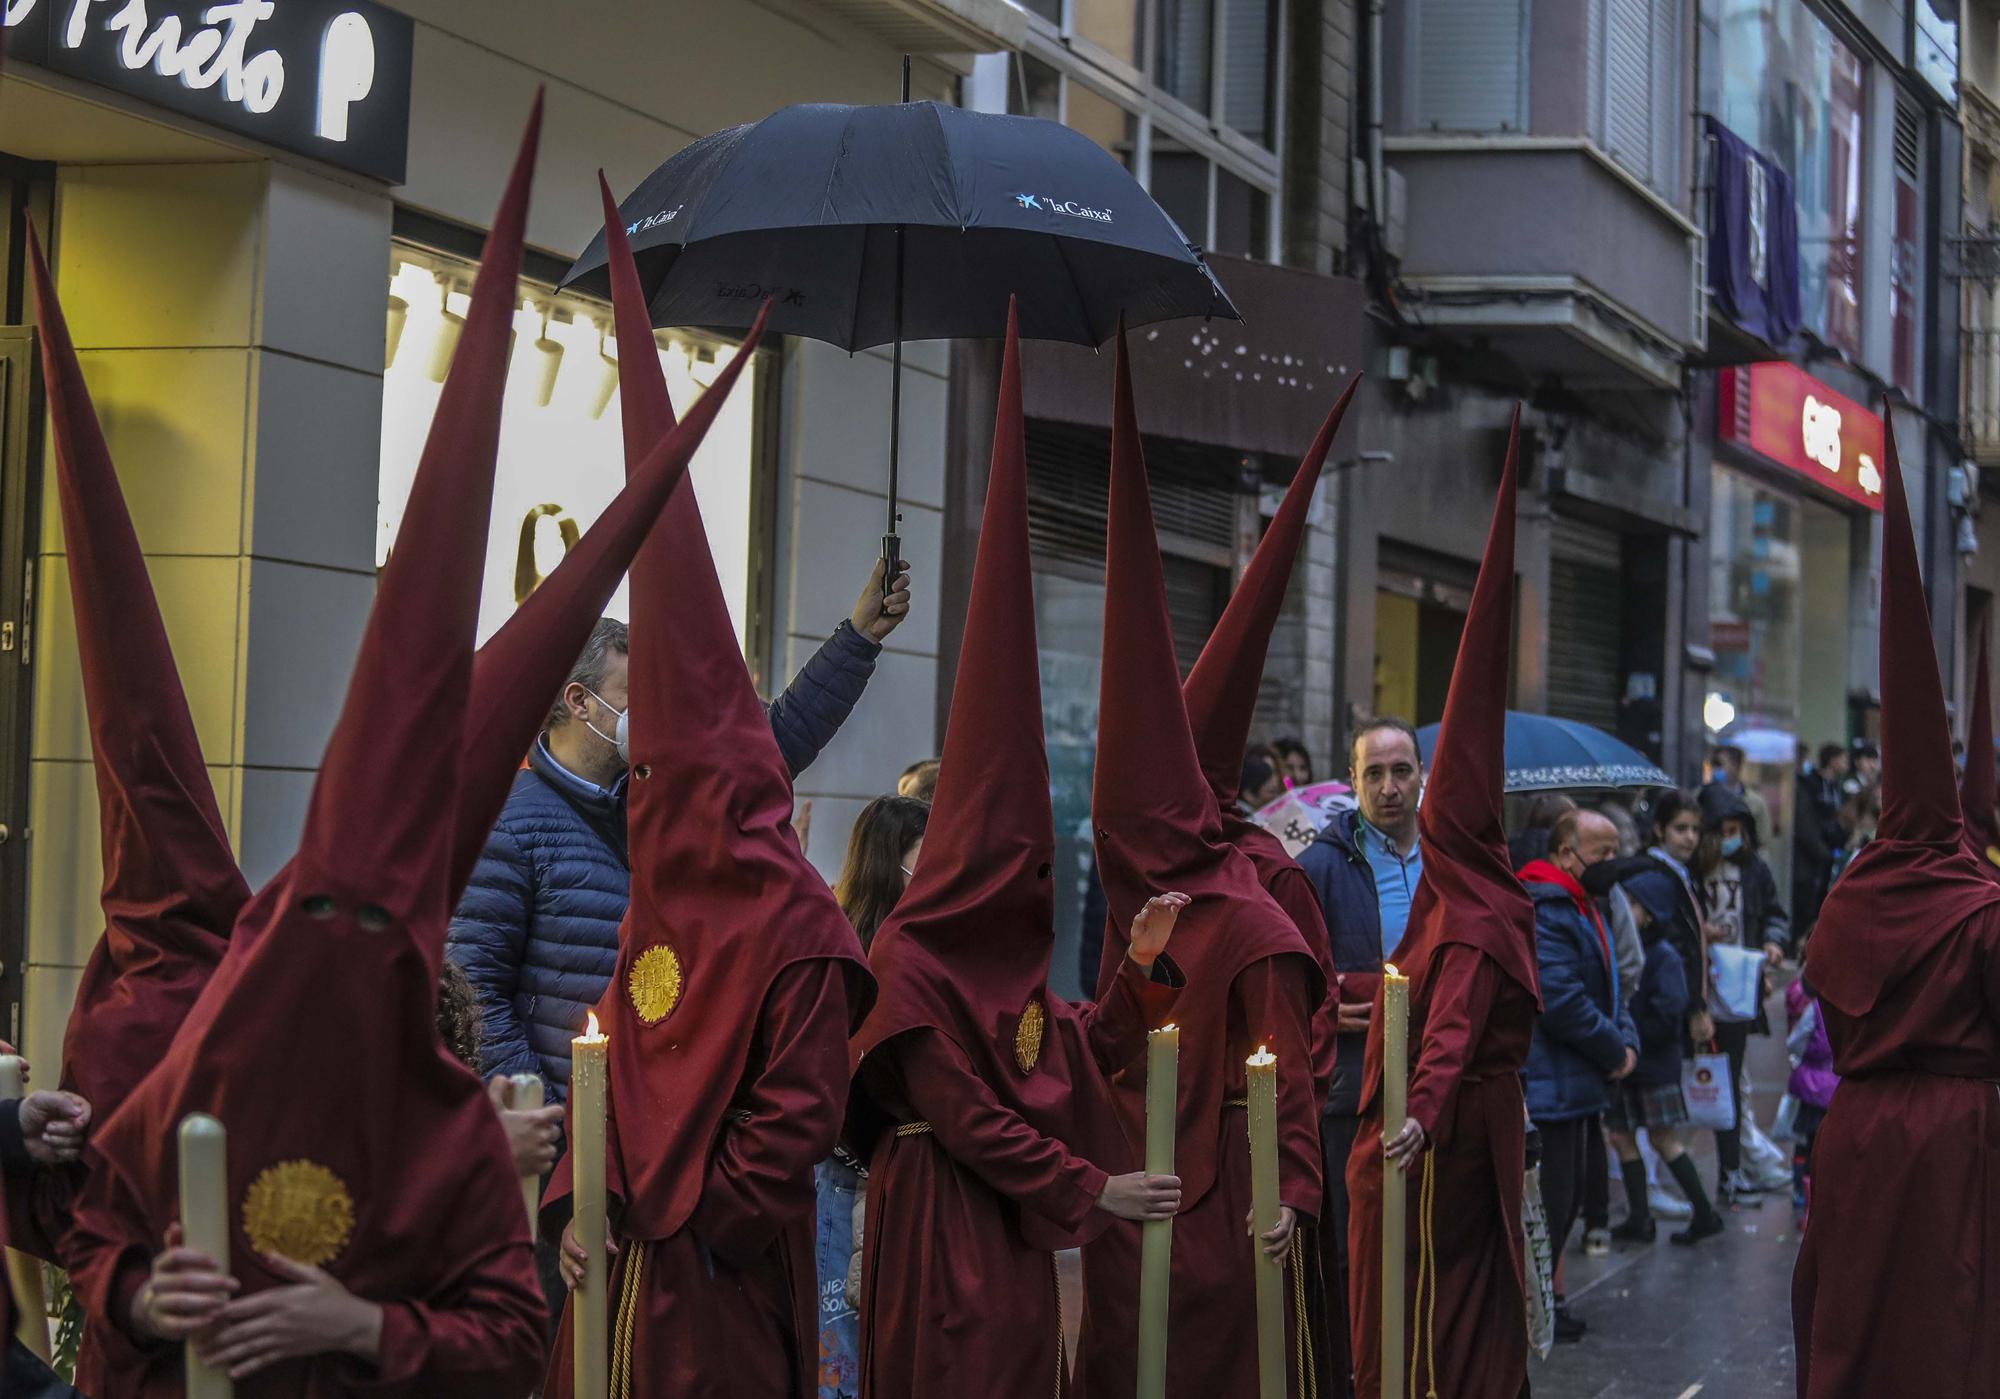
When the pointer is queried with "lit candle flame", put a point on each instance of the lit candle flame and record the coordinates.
(590, 1031)
(1389, 969)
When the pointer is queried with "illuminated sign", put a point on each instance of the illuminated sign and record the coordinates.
(1783, 414)
(326, 78)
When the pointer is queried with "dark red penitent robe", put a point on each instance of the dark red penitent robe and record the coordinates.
(1003, 1126)
(1251, 981)
(737, 984)
(1897, 1289)
(1469, 953)
(1221, 695)
(331, 976)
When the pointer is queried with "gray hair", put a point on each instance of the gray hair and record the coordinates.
(607, 637)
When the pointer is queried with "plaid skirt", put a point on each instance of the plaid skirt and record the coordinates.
(1645, 1105)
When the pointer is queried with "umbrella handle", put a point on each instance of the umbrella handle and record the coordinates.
(892, 561)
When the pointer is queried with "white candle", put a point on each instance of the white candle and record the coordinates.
(1156, 1236)
(1395, 1216)
(1262, 1070)
(525, 1094)
(590, 1056)
(204, 1168)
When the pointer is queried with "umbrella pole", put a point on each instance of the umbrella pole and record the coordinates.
(892, 542)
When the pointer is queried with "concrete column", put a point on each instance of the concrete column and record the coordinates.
(229, 319)
(834, 469)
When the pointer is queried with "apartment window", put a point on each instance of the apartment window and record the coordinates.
(1467, 65)
(1796, 93)
(1180, 186)
(1112, 25)
(1102, 120)
(1249, 51)
(1186, 46)
(1036, 90)
(1635, 78)
(1242, 216)
(1905, 255)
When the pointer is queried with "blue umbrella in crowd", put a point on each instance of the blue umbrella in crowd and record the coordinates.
(1550, 755)
(872, 225)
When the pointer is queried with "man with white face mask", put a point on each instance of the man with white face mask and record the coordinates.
(537, 929)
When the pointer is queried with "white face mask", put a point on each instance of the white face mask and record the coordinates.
(620, 736)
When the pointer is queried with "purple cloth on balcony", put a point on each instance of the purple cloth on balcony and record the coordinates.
(1766, 306)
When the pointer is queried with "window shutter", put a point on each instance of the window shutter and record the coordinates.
(1470, 63)
(1628, 84)
(1246, 58)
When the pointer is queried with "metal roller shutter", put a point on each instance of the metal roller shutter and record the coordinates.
(1586, 618)
(1194, 507)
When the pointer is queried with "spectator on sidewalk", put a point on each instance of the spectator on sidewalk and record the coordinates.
(1365, 867)
(1811, 1084)
(537, 928)
(1650, 1097)
(1295, 764)
(1725, 766)
(919, 779)
(1584, 1039)
(1743, 909)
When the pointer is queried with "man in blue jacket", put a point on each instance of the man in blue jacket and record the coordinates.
(537, 928)
(1365, 866)
(1585, 1039)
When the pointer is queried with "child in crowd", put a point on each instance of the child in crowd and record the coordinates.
(1812, 1084)
(1650, 1096)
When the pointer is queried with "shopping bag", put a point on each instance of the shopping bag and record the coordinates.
(1736, 976)
(1711, 1099)
(1540, 1281)
(1769, 1165)
(1788, 1115)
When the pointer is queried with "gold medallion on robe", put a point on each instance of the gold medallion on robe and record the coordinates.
(1028, 1037)
(300, 1210)
(655, 983)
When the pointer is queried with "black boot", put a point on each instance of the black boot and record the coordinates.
(1568, 1329)
(1638, 1227)
(1706, 1223)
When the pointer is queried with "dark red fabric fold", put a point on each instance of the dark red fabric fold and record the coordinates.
(1914, 884)
(1158, 826)
(172, 889)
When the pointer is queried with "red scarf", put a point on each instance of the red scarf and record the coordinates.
(1548, 872)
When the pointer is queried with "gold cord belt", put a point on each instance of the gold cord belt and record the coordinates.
(913, 1129)
(1307, 1361)
(1427, 1280)
(1236, 1102)
(628, 1311)
(1062, 1351)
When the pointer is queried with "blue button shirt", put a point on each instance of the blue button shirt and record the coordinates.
(1395, 880)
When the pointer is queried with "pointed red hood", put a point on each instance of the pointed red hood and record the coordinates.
(171, 886)
(525, 663)
(723, 898)
(1158, 826)
(1914, 884)
(1221, 690)
(1976, 795)
(966, 952)
(332, 972)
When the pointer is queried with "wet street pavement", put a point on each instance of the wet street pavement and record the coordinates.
(1674, 1323)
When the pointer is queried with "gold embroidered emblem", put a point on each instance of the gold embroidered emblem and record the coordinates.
(1028, 1037)
(299, 1209)
(655, 983)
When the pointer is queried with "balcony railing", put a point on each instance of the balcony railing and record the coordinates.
(1979, 412)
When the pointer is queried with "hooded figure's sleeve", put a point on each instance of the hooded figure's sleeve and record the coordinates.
(788, 1115)
(1293, 889)
(110, 1256)
(1136, 1003)
(987, 1137)
(483, 1337)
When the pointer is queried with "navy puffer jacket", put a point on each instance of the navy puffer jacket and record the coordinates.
(1583, 1032)
(537, 928)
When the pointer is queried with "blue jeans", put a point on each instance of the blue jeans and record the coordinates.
(839, 1325)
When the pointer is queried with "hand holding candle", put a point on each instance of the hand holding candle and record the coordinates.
(1156, 1240)
(1395, 1216)
(1262, 1071)
(204, 1168)
(590, 1055)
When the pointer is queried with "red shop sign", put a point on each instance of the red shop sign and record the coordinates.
(1782, 413)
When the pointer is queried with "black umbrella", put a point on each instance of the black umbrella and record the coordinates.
(871, 225)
